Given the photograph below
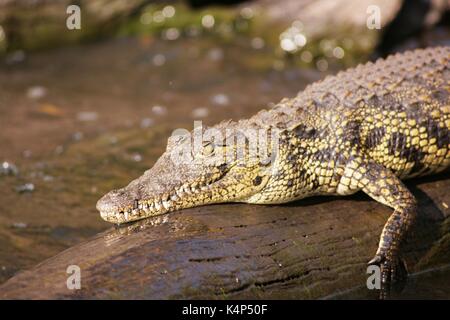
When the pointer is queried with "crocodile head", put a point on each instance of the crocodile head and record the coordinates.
(191, 174)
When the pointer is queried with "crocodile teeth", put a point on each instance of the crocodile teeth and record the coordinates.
(174, 197)
(166, 204)
(187, 190)
(126, 215)
(204, 188)
(157, 206)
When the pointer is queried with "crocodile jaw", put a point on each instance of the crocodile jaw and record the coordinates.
(169, 187)
(117, 206)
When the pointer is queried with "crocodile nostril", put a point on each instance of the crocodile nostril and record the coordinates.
(119, 192)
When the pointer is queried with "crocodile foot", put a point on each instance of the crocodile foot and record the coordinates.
(393, 273)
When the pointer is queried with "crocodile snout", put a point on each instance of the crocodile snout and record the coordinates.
(113, 202)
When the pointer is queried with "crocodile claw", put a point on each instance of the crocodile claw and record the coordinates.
(393, 273)
(375, 260)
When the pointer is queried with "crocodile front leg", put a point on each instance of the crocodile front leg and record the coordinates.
(383, 186)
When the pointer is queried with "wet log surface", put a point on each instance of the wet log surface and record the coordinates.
(309, 249)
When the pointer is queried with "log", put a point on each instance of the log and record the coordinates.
(312, 248)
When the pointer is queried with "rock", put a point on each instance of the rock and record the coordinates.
(36, 92)
(319, 16)
(8, 169)
(24, 188)
(37, 24)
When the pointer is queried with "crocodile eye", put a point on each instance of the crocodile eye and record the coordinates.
(257, 181)
(208, 149)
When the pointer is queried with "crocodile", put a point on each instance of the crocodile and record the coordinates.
(364, 129)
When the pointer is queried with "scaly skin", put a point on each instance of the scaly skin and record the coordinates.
(363, 129)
